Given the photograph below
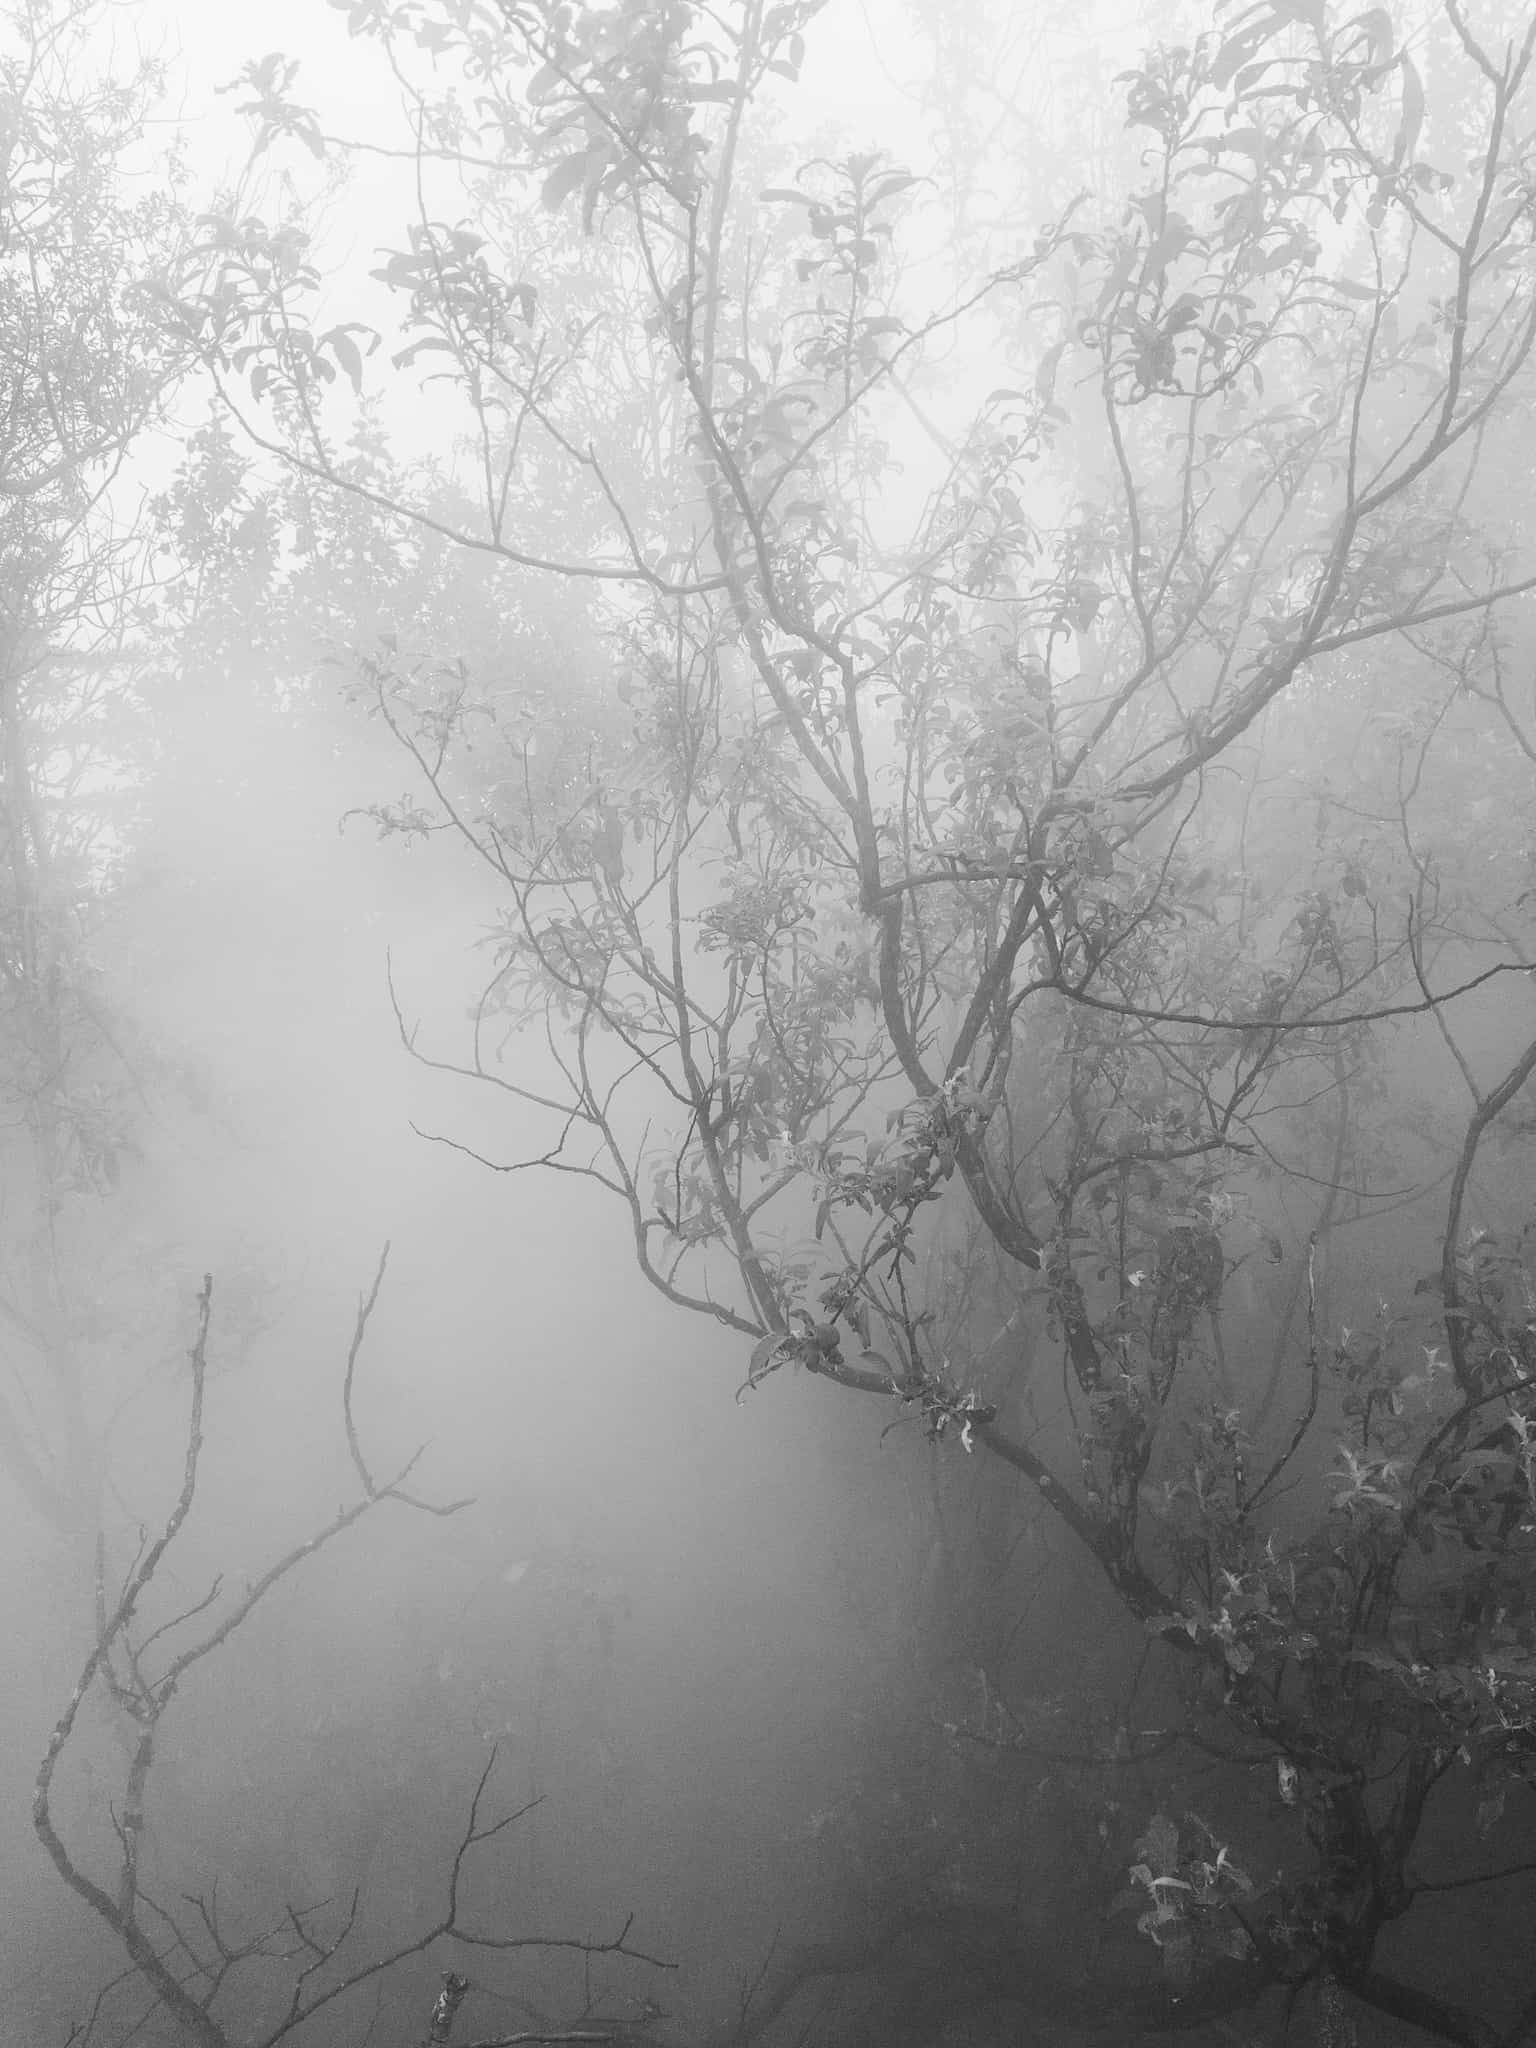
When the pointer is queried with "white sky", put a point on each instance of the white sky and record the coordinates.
(205, 44)
(864, 73)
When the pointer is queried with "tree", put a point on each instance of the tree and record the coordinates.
(89, 367)
(250, 1968)
(968, 857)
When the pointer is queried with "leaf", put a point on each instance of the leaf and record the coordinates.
(347, 354)
(1240, 49)
(1184, 312)
(1045, 374)
(764, 1353)
(1412, 118)
(1490, 1810)
(432, 344)
(1250, 142)
(1374, 28)
(564, 179)
(1086, 599)
(1171, 243)
(1160, 1845)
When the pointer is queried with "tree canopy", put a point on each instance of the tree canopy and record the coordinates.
(1003, 788)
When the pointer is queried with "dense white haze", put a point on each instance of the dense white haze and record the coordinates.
(689, 1743)
(596, 1431)
(678, 1613)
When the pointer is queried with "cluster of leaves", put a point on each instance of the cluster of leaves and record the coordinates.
(1183, 1885)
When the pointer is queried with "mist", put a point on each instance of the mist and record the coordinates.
(648, 1587)
(766, 1031)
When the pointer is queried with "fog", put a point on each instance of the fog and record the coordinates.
(766, 1026)
(680, 1615)
(654, 1603)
